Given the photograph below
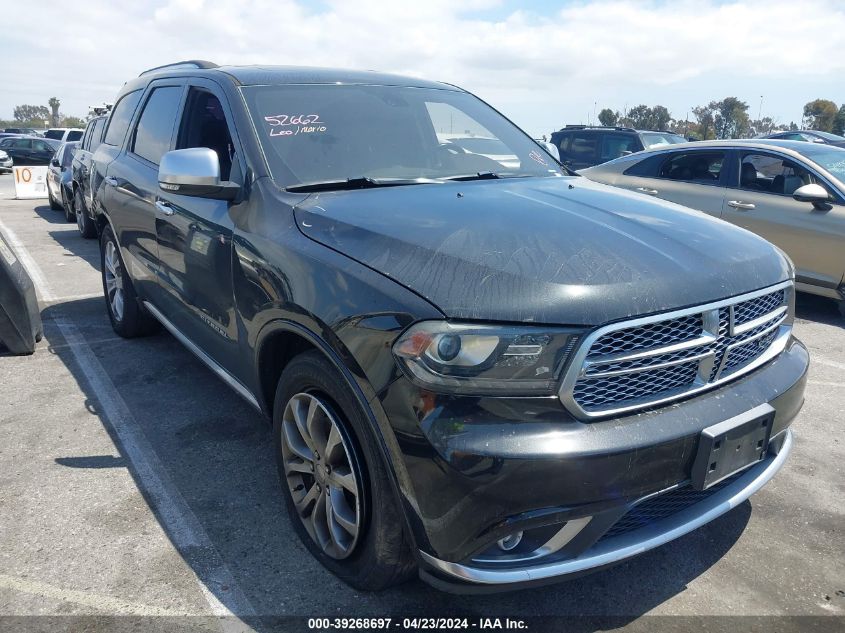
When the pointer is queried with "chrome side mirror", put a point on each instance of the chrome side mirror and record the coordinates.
(195, 172)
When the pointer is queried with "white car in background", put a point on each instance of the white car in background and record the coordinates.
(64, 134)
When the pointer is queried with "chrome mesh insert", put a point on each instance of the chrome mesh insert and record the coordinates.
(635, 364)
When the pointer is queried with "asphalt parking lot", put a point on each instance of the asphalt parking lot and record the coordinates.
(134, 482)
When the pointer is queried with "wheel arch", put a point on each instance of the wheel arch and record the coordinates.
(292, 338)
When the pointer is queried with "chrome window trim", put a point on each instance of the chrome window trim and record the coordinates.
(578, 362)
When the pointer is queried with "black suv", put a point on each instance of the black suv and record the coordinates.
(583, 146)
(495, 373)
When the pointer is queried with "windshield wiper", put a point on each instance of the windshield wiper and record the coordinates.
(482, 175)
(362, 182)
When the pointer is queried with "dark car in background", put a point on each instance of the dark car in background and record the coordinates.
(498, 373)
(29, 150)
(59, 183)
(810, 136)
(583, 146)
(82, 198)
(23, 130)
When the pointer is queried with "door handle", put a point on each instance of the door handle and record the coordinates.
(646, 190)
(165, 208)
(739, 204)
(111, 180)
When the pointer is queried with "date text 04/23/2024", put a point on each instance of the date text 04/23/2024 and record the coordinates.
(415, 624)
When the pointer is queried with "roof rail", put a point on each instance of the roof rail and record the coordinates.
(581, 126)
(191, 63)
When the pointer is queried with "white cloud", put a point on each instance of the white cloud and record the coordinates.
(543, 70)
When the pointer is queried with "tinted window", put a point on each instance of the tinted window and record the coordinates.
(120, 118)
(772, 174)
(86, 137)
(67, 157)
(74, 135)
(41, 146)
(583, 147)
(616, 145)
(54, 134)
(204, 125)
(155, 127)
(648, 167)
(19, 143)
(322, 133)
(699, 167)
(96, 134)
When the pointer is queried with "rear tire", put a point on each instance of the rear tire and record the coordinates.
(128, 317)
(85, 224)
(378, 555)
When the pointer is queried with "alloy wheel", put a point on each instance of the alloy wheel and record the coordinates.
(114, 280)
(320, 474)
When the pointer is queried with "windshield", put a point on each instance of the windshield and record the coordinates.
(325, 133)
(655, 139)
(830, 158)
(828, 136)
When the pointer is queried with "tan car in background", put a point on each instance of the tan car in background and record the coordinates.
(791, 193)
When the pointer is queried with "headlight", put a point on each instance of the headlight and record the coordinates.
(3, 155)
(485, 359)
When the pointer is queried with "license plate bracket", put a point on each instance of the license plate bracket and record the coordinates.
(731, 446)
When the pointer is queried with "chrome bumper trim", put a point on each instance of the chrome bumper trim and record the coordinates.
(616, 549)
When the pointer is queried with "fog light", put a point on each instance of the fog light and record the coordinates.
(509, 542)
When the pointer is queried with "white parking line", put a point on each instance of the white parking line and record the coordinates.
(215, 581)
(110, 604)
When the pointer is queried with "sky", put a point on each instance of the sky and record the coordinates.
(542, 63)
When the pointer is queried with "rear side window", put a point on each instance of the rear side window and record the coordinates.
(54, 134)
(74, 135)
(616, 145)
(120, 118)
(155, 127)
(67, 156)
(583, 147)
(699, 167)
(96, 134)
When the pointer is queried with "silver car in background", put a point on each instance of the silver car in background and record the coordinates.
(791, 193)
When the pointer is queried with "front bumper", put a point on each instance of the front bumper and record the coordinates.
(475, 470)
(606, 552)
(6, 164)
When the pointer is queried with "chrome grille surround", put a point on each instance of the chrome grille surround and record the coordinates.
(630, 365)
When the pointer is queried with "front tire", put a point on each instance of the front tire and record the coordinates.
(334, 478)
(128, 317)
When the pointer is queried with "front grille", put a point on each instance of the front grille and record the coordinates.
(626, 366)
(655, 509)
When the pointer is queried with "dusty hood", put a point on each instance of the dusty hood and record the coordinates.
(548, 250)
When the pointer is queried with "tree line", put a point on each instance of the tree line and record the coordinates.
(727, 118)
(37, 116)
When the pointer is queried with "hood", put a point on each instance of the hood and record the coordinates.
(546, 250)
